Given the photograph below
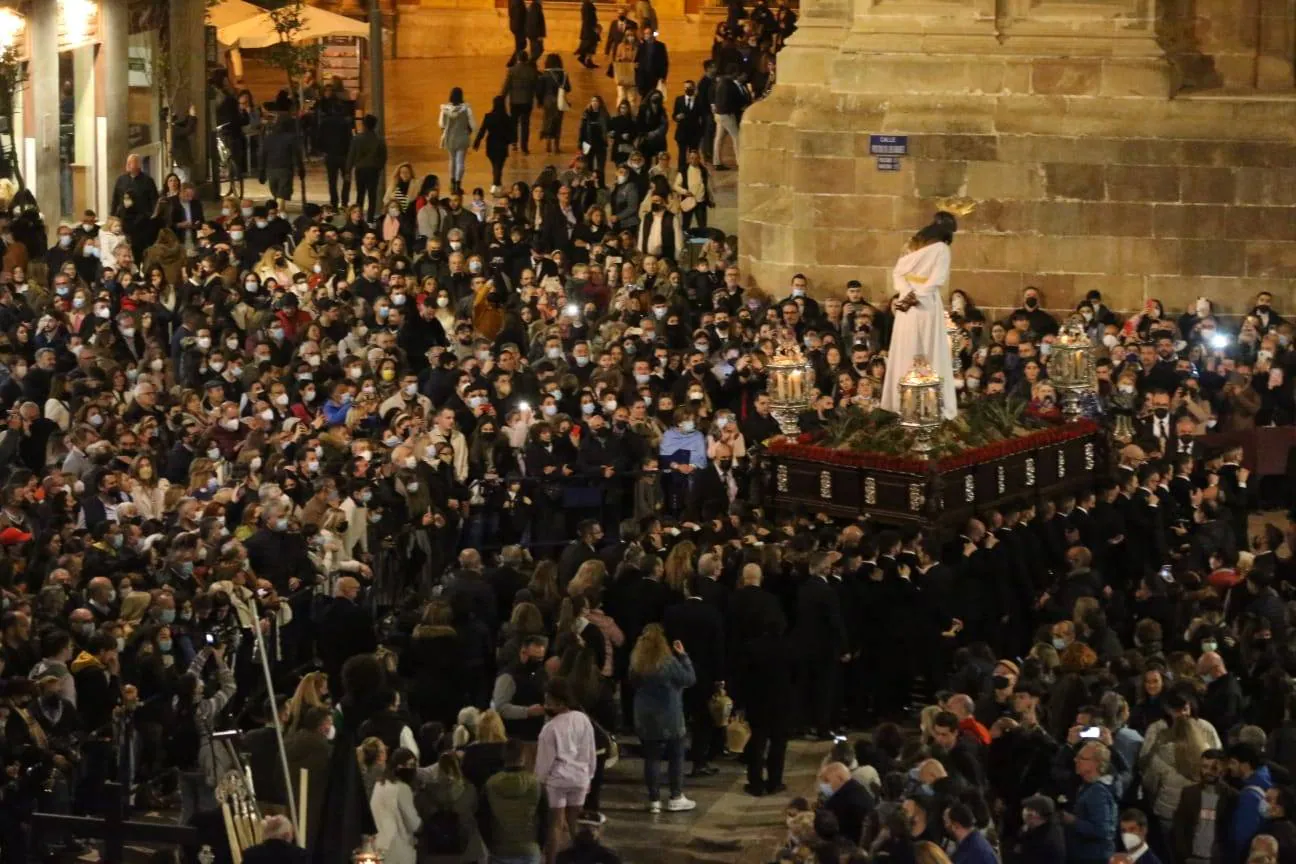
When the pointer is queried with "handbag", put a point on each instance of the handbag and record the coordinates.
(737, 734)
(563, 103)
(720, 706)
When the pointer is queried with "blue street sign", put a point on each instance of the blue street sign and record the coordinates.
(888, 145)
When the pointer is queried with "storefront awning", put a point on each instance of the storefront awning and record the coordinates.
(256, 30)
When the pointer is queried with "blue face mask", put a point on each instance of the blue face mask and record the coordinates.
(164, 645)
(167, 616)
(825, 790)
(187, 568)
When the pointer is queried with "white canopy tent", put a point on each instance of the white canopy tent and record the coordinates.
(243, 25)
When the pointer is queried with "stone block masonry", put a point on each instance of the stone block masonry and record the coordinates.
(1092, 166)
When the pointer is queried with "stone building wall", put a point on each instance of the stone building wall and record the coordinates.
(1087, 172)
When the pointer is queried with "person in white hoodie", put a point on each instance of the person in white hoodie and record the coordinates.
(457, 126)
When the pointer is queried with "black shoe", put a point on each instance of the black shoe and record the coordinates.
(723, 168)
(754, 791)
(704, 771)
(776, 789)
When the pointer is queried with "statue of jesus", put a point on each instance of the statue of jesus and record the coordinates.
(919, 330)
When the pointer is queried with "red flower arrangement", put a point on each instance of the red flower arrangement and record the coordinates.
(803, 448)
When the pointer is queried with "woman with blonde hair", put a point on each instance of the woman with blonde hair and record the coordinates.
(312, 692)
(484, 757)
(372, 758)
(679, 567)
(589, 577)
(1172, 765)
(544, 589)
(662, 671)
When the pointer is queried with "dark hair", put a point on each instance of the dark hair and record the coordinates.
(961, 815)
(946, 720)
(370, 122)
(312, 716)
(941, 230)
(1129, 814)
(456, 95)
(558, 690)
(1247, 753)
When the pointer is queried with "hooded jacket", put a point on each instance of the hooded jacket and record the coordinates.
(457, 125)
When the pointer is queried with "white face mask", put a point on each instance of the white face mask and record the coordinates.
(1131, 841)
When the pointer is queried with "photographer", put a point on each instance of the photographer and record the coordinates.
(200, 758)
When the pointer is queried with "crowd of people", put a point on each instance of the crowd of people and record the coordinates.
(482, 483)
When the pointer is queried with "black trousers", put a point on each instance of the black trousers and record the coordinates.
(698, 214)
(521, 115)
(819, 692)
(335, 168)
(519, 45)
(702, 729)
(497, 167)
(765, 754)
(366, 181)
(537, 48)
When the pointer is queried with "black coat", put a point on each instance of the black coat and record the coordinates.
(499, 130)
(589, 23)
(535, 21)
(758, 666)
(1042, 845)
(432, 663)
(278, 556)
(347, 630)
(517, 12)
(820, 634)
(699, 626)
(851, 804)
(654, 64)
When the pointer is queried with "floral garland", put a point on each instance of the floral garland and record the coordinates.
(803, 447)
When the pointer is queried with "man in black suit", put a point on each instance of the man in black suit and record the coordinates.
(688, 122)
(715, 486)
(1156, 431)
(699, 626)
(760, 676)
(707, 583)
(588, 534)
(820, 642)
(350, 631)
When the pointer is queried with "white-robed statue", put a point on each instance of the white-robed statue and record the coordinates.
(919, 329)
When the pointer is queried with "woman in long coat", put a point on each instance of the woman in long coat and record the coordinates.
(552, 82)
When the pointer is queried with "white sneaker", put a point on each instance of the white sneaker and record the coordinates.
(654, 806)
(676, 805)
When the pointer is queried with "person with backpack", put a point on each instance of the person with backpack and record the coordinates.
(447, 803)
(201, 759)
(394, 812)
(513, 800)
